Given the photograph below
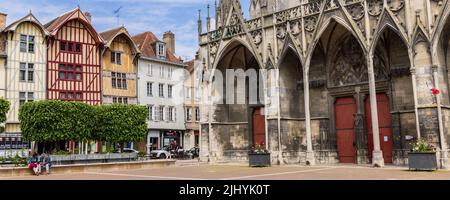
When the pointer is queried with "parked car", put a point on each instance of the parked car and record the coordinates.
(160, 154)
(126, 150)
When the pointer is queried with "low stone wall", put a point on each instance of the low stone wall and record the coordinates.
(80, 168)
(93, 158)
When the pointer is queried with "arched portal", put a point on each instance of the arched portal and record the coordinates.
(396, 114)
(338, 78)
(239, 113)
(292, 108)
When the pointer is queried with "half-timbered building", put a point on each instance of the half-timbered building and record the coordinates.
(119, 67)
(74, 59)
(23, 71)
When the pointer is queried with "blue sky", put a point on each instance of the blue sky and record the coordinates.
(158, 16)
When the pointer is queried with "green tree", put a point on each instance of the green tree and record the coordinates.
(52, 121)
(120, 123)
(4, 108)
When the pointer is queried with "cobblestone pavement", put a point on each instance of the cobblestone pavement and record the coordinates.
(240, 172)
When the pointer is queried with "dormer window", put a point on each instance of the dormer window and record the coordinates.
(161, 50)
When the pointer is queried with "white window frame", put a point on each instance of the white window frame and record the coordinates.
(161, 113)
(150, 70)
(197, 114)
(150, 89)
(28, 43)
(117, 55)
(161, 50)
(188, 114)
(161, 71)
(25, 97)
(170, 91)
(151, 115)
(26, 69)
(161, 90)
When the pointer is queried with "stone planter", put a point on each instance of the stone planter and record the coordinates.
(422, 161)
(259, 160)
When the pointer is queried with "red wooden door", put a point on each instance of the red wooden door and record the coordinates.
(259, 127)
(384, 124)
(345, 108)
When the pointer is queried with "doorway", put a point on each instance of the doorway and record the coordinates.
(259, 126)
(345, 109)
(385, 127)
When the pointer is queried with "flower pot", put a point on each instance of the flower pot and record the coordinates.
(259, 160)
(426, 161)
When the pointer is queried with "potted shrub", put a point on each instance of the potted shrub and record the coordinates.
(422, 157)
(259, 156)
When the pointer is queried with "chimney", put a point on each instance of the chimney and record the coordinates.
(2, 20)
(88, 16)
(169, 39)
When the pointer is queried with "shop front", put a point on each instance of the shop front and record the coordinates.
(172, 139)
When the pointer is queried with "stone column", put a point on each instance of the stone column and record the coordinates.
(416, 101)
(310, 159)
(280, 147)
(377, 157)
(443, 143)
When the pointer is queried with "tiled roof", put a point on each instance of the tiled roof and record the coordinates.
(145, 41)
(28, 18)
(109, 35)
(54, 25)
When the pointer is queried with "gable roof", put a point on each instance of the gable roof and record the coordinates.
(109, 36)
(54, 25)
(28, 18)
(145, 41)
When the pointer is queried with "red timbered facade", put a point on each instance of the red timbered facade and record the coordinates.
(74, 59)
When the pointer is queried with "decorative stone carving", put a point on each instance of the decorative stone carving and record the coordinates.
(281, 31)
(310, 23)
(375, 7)
(257, 37)
(216, 35)
(213, 48)
(233, 30)
(295, 27)
(234, 20)
(331, 4)
(312, 7)
(356, 11)
(254, 24)
(396, 5)
(281, 17)
(349, 66)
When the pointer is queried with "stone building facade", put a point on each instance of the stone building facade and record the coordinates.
(160, 90)
(344, 81)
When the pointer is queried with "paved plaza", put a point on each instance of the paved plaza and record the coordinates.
(241, 172)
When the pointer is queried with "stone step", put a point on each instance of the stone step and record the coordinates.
(189, 163)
